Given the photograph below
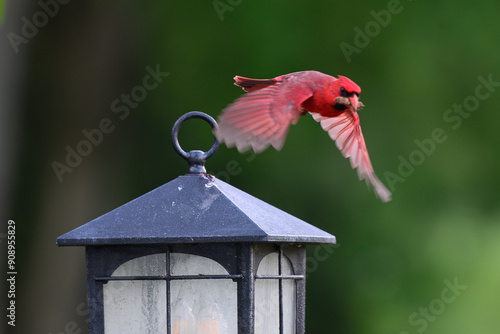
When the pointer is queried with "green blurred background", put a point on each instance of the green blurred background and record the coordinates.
(394, 262)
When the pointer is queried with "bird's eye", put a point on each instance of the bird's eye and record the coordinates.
(343, 92)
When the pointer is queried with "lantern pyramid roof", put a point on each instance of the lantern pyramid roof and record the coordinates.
(194, 208)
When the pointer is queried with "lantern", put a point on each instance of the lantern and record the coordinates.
(196, 255)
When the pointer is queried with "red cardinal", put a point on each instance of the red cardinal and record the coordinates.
(262, 117)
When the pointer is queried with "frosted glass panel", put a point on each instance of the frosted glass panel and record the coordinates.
(136, 306)
(205, 307)
(198, 306)
(289, 304)
(150, 265)
(267, 297)
(187, 264)
(267, 306)
(132, 307)
(202, 306)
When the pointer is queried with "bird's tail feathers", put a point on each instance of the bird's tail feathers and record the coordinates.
(250, 85)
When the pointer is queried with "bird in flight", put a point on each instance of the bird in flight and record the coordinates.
(263, 116)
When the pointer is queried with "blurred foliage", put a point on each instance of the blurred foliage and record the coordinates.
(392, 259)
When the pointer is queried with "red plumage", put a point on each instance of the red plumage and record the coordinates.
(263, 116)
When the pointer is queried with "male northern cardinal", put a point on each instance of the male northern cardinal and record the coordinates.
(262, 117)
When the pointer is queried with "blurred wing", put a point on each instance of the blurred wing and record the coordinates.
(262, 117)
(346, 132)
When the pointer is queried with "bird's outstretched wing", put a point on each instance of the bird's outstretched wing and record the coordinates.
(345, 130)
(262, 116)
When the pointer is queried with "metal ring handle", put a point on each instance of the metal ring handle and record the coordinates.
(196, 158)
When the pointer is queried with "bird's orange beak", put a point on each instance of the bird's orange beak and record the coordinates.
(354, 102)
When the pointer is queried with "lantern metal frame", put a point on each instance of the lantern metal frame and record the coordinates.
(241, 269)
